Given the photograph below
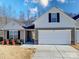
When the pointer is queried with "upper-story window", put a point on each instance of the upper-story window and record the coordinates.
(54, 17)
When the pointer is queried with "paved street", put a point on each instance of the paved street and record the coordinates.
(54, 52)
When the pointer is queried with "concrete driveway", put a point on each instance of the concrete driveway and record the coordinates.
(54, 52)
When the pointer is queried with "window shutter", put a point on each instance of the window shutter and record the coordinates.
(58, 17)
(18, 34)
(7, 34)
(49, 17)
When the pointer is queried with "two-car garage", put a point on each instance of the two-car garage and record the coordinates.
(54, 36)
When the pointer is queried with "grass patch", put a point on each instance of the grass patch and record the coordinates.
(16, 52)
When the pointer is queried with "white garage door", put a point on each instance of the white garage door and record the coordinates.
(77, 36)
(54, 36)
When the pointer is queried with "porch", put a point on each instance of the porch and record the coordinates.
(17, 37)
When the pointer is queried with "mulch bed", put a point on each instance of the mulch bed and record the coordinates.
(76, 46)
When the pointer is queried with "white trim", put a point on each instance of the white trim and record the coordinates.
(24, 36)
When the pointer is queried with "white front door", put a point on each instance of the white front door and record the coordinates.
(54, 36)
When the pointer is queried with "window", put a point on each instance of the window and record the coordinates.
(13, 34)
(54, 17)
(10, 34)
(1, 33)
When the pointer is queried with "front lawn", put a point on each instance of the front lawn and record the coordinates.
(15, 52)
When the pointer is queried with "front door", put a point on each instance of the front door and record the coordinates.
(29, 37)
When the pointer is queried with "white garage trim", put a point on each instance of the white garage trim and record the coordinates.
(72, 42)
(54, 36)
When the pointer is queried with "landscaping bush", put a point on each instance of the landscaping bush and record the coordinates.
(1, 39)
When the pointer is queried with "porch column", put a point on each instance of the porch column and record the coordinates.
(13, 33)
(24, 36)
(36, 36)
(3, 34)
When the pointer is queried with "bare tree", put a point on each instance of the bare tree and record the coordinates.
(3, 14)
(6, 13)
(22, 16)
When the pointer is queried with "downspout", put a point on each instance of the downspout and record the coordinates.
(13, 34)
(24, 36)
(75, 35)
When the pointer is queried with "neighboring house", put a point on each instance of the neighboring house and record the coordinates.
(54, 27)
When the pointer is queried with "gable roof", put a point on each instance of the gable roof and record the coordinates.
(65, 14)
(59, 10)
(76, 17)
(13, 26)
(56, 9)
(29, 27)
